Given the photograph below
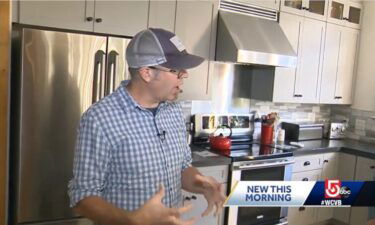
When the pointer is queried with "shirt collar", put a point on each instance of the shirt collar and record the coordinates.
(130, 102)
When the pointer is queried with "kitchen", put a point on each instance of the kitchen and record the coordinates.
(331, 80)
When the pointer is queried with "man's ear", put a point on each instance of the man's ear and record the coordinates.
(145, 74)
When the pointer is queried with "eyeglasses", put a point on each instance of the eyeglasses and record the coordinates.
(179, 73)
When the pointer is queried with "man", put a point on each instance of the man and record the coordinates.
(132, 158)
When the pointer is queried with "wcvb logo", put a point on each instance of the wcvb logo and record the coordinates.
(332, 188)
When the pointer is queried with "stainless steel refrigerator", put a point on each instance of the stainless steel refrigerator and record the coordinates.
(55, 77)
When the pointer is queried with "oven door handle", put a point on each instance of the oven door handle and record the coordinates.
(264, 165)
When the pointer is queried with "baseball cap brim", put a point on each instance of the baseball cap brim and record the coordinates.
(183, 61)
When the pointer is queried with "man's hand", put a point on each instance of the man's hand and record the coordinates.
(213, 193)
(153, 212)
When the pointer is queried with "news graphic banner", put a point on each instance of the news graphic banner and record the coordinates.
(328, 193)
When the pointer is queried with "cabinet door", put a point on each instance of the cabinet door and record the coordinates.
(365, 171)
(285, 78)
(303, 215)
(345, 172)
(330, 64)
(353, 14)
(194, 26)
(346, 65)
(317, 9)
(329, 171)
(293, 6)
(162, 14)
(336, 12)
(120, 17)
(311, 59)
(61, 14)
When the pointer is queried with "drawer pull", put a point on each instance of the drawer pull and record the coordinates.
(194, 197)
(187, 198)
(307, 163)
(372, 167)
(325, 161)
(302, 208)
(305, 179)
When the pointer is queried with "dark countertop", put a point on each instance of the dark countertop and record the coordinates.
(354, 147)
(206, 158)
(202, 157)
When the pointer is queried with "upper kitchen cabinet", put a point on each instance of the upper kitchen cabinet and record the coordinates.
(75, 15)
(270, 4)
(112, 17)
(120, 17)
(345, 13)
(339, 64)
(196, 27)
(162, 14)
(302, 83)
(315, 9)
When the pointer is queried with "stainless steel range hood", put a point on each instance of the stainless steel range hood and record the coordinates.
(249, 39)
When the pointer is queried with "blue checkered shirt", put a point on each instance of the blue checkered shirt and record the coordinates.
(120, 157)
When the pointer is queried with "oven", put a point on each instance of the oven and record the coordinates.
(275, 169)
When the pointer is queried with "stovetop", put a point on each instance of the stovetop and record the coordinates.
(254, 151)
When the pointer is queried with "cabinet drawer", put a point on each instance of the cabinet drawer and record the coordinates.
(313, 175)
(306, 163)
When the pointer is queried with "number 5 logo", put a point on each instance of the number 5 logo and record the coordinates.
(332, 188)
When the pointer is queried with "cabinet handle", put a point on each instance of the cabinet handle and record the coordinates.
(187, 198)
(98, 20)
(194, 197)
(338, 97)
(89, 19)
(298, 96)
(307, 163)
(301, 208)
(305, 179)
(325, 161)
(372, 167)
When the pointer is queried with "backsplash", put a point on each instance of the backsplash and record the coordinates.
(361, 124)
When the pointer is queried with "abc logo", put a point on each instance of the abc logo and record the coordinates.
(333, 189)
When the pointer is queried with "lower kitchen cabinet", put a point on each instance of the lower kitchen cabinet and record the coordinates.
(304, 215)
(365, 171)
(220, 173)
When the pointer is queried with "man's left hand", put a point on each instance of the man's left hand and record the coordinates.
(213, 193)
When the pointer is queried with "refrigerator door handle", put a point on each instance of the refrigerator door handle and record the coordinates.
(112, 71)
(98, 81)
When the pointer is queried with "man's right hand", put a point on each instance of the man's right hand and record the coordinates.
(153, 212)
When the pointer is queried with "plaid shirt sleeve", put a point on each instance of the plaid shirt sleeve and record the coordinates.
(186, 148)
(91, 160)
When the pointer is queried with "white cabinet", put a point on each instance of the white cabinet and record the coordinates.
(162, 14)
(345, 13)
(270, 4)
(220, 173)
(339, 64)
(196, 27)
(315, 9)
(364, 94)
(307, 38)
(113, 17)
(120, 17)
(365, 171)
(61, 14)
(345, 172)
(311, 171)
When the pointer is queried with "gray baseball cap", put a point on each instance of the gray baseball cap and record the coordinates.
(156, 46)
